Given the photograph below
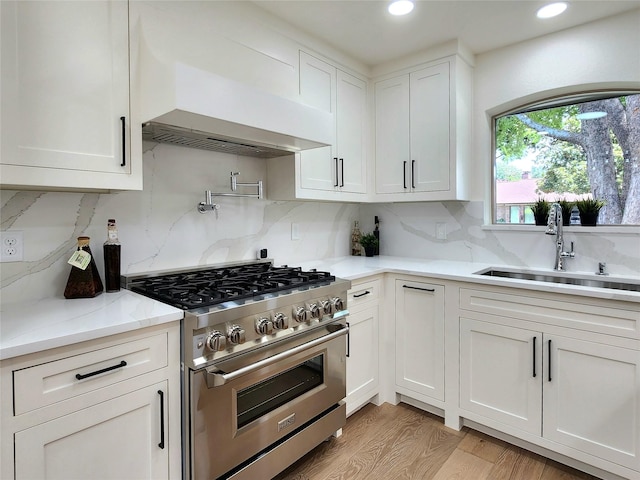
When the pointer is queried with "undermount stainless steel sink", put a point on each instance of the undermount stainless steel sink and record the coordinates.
(583, 281)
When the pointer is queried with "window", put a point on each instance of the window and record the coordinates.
(576, 149)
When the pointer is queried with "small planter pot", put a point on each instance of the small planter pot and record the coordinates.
(589, 219)
(541, 219)
(369, 251)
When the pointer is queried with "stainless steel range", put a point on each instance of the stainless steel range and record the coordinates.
(263, 352)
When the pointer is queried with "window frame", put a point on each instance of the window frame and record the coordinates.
(551, 101)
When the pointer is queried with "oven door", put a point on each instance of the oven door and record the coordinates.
(242, 406)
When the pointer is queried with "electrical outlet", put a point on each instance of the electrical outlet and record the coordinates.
(11, 246)
(441, 231)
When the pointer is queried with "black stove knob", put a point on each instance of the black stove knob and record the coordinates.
(216, 341)
(299, 314)
(235, 335)
(280, 321)
(264, 326)
(338, 304)
(314, 310)
(326, 307)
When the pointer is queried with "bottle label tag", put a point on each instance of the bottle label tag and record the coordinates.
(113, 235)
(80, 259)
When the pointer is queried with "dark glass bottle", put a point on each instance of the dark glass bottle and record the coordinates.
(84, 283)
(111, 250)
(376, 233)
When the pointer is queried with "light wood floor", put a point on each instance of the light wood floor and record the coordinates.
(402, 442)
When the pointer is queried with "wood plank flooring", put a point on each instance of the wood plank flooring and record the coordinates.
(402, 442)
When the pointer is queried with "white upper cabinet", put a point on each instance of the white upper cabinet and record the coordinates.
(423, 133)
(66, 121)
(338, 171)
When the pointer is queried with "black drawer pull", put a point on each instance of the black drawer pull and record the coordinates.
(124, 145)
(342, 172)
(549, 353)
(361, 294)
(418, 288)
(534, 357)
(404, 174)
(161, 444)
(413, 174)
(337, 180)
(80, 376)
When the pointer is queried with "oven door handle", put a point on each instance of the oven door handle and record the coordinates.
(216, 378)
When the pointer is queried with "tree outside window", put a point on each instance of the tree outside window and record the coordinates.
(585, 149)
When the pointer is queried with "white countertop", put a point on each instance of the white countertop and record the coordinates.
(354, 268)
(57, 322)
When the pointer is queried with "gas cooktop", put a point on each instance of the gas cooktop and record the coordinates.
(203, 287)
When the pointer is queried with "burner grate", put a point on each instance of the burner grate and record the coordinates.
(208, 287)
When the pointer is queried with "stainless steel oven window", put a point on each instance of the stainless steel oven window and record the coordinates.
(267, 395)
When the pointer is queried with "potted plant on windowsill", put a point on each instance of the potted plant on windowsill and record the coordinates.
(589, 209)
(566, 206)
(369, 242)
(540, 211)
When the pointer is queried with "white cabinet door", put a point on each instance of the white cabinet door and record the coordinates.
(65, 94)
(340, 167)
(318, 167)
(351, 122)
(592, 399)
(118, 439)
(362, 358)
(392, 134)
(420, 338)
(430, 133)
(501, 373)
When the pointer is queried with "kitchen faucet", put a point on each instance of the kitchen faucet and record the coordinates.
(554, 227)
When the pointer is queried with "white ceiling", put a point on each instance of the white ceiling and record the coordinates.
(364, 30)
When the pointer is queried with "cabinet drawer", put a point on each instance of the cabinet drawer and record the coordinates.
(595, 315)
(41, 385)
(362, 293)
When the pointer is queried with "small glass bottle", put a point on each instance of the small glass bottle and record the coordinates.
(356, 248)
(84, 283)
(111, 249)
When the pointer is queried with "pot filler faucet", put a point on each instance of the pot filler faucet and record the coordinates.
(554, 227)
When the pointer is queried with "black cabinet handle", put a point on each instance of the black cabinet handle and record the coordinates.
(418, 288)
(413, 174)
(161, 444)
(80, 376)
(534, 357)
(549, 354)
(404, 174)
(362, 294)
(348, 339)
(342, 172)
(337, 181)
(124, 145)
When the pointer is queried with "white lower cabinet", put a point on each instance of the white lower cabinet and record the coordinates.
(103, 409)
(120, 439)
(576, 393)
(362, 344)
(420, 340)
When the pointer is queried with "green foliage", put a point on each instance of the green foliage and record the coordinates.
(565, 169)
(507, 172)
(369, 240)
(540, 211)
(589, 205)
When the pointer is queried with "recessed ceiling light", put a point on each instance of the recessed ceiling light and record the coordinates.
(551, 10)
(590, 115)
(400, 7)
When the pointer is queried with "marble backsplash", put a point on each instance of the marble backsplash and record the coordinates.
(409, 230)
(160, 227)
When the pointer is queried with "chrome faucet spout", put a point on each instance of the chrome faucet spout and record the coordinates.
(554, 227)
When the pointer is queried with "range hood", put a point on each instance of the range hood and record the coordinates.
(187, 106)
